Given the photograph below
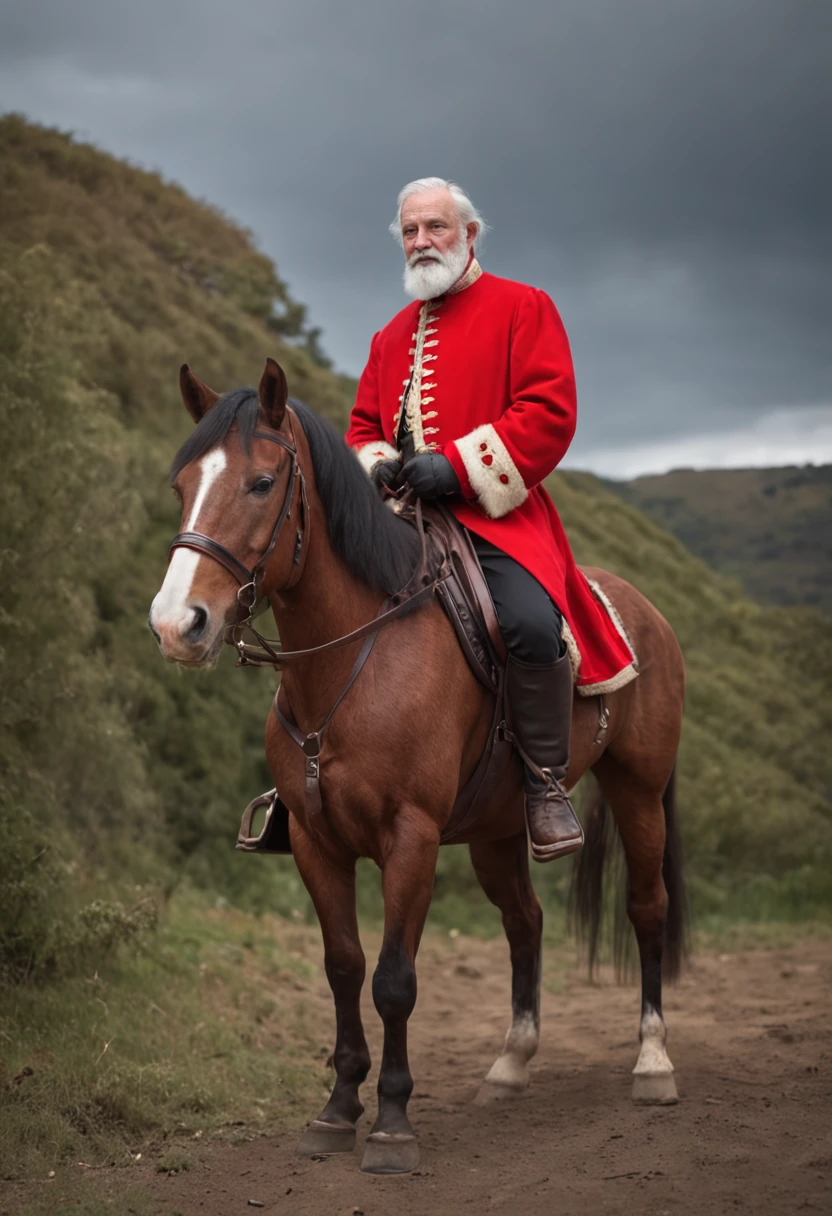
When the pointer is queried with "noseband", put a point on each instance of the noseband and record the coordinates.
(251, 580)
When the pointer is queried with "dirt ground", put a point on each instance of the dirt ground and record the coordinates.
(751, 1040)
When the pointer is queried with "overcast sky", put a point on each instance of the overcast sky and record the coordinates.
(660, 167)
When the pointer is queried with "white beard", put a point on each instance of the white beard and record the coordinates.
(434, 278)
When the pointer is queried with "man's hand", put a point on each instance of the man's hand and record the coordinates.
(430, 475)
(385, 473)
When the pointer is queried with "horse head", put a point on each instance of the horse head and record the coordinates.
(237, 479)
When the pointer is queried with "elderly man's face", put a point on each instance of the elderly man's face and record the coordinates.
(430, 224)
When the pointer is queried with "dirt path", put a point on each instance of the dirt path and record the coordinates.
(751, 1039)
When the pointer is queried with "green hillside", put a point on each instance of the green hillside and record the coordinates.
(110, 278)
(769, 528)
(755, 786)
(122, 779)
(118, 767)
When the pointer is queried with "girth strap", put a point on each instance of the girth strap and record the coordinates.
(312, 743)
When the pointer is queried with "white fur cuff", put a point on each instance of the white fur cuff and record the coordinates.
(371, 453)
(494, 477)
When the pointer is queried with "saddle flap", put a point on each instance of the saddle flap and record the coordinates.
(465, 596)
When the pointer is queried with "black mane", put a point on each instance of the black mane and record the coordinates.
(370, 540)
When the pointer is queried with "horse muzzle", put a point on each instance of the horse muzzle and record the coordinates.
(189, 635)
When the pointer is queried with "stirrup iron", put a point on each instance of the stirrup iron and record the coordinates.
(274, 835)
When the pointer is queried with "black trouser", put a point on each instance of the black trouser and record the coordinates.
(530, 622)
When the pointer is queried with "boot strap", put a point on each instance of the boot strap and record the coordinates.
(542, 774)
(551, 780)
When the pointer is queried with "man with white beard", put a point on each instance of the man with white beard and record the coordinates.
(469, 395)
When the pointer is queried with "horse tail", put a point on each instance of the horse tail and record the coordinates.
(601, 860)
(676, 944)
(586, 891)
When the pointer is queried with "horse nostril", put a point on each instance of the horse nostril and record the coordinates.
(152, 628)
(198, 624)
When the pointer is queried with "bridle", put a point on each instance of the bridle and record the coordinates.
(251, 581)
(419, 589)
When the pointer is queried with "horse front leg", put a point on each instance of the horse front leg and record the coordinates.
(332, 889)
(407, 884)
(502, 869)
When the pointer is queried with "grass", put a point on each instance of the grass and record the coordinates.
(175, 1161)
(720, 933)
(204, 1030)
(132, 1201)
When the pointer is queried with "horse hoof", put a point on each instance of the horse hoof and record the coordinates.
(655, 1089)
(390, 1153)
(320, 1138)
(493, 1091)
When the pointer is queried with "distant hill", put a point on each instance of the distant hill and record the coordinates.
(771, 529)
(118, 771)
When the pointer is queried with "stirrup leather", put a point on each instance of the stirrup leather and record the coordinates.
(553, 782)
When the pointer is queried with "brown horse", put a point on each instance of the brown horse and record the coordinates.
(327, 554)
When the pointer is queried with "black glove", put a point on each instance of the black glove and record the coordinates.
(385, 472)
(430, 475)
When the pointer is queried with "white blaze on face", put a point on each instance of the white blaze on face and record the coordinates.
(170, 609)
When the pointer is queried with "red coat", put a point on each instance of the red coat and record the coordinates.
(493, 389)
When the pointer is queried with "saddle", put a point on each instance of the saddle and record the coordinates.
(451, 564)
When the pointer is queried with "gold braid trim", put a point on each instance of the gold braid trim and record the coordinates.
(471, 275)
(414, 400)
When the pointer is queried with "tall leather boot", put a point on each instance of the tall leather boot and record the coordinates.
(540, 704)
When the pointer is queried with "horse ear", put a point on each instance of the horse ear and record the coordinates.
(198, 397)
(273, 392)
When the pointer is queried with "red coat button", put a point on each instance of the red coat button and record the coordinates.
(488, 460)
(504, 479)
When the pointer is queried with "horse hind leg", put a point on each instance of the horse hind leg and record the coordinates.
(653, 1079)
(502, 869)
(661, 954)
(646, 824)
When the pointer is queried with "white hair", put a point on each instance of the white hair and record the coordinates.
(466, 210)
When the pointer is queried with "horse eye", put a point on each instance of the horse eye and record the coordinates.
(262, 485)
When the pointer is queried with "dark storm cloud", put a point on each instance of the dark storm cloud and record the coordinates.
(658, 166)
